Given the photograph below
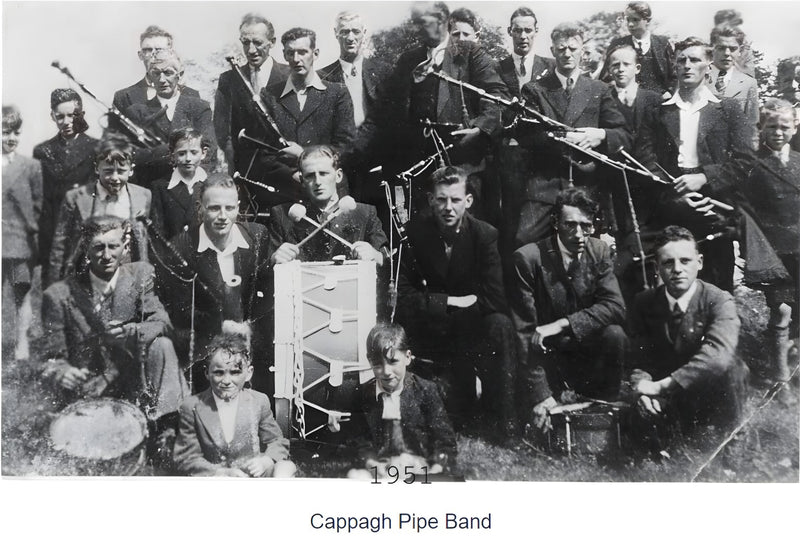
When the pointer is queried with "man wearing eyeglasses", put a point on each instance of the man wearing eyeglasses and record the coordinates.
(568, 311)
(234, 108)
(154, 42)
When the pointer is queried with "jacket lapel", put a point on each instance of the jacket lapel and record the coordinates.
(290, 103)
(450, 67)
(369, 79)
(670, 117)
(554, 95)
(245, 436)
(207, 414)
(710, 116)
(314, 98)
(578, 100)
(124, 299)
(181, 197)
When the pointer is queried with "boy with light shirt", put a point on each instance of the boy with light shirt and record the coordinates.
(228, 429)
(726, 78)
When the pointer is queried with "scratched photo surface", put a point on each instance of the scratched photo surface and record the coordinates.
(559, 361)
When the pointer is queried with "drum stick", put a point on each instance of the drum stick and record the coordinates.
(345, 204)
(297, 212)
(720, 204)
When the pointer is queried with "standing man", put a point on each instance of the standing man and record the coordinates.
(234, 108)
(568, 312)
(523, 65)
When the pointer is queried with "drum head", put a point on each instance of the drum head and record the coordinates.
(101, 429)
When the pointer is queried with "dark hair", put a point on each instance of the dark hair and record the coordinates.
(524, 12)
(322, 150)
(384, 339)
(114, 148)
(726, 31)
(775, 107)
(12, 119)
(464, 15)
(671, 234)
(61, 95)
(437, 9)
(91, 228)
(296, 33)
(214, 180)
(255, 19)
(568, 30)
(186, 133)
(694, 41)
(728, 16)
(620, 47)
(448, 176)
(575, 197)
(155, 31)
(235, 345)
(642, 9)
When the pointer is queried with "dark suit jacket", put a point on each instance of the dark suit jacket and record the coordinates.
(172, 208)
(79, 206)
(234, 110)
(508, 72)
(428, 278)
(427, 431)
(65, 166)
(361, 224)
(544, 293)
(201, 449)
(22, 207)
(72, 327)
(664, 55)
(326, 118)
(137, 94)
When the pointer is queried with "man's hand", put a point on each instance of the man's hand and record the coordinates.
(259, 466)
(699, 203)
(587, 137)
(548, 330)
(690, 182)
(285, 253)
(462, 301)
(647, 406)
(115, 331)
(292, 151)
(364, 251)
(470, 136)
(654, 388)
(74, 378)
(541, 417)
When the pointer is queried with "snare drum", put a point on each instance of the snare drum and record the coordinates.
(587, 430)
(99, 437)
(323, 314)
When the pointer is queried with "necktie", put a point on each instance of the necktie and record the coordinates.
(570, 85)
(720, 85)
(522, 71)
(112, 199)
(637, 45)
(675, 320)
(254, 78)
(353, 72)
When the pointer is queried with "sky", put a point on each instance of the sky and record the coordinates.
(98, 40)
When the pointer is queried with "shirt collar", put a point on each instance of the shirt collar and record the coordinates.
(199, 176)
(433, 52)
(683, 301)
(265, 67)
(566, 255)
(706, 96)
(102, 193)
(9, 158)
(347, 67)
(172, 101)
(783, 153)
(316, 83)
(102, 287)
(644, 40)
(629, 91)
(227, 404)
(563, 79)
(235, 242)
(379, 390)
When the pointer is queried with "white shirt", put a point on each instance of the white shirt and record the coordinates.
(563, 79)
(199, 176)
(355, 86)
(683, 301)
(628, 94)
(170, 103)
(690, 125)
(566, 255)
(259, 76)
(102, 289)
(9, 158)
(121, 208)
(437, 53)
(783, 154)
(225, 256)
(150, 92)
(528, 62)
(391, 401)
(643, 43)
(227, 409)
(316, 82)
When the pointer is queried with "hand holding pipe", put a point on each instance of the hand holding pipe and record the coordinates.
(345, 204)
(262, 108)
(297, 212)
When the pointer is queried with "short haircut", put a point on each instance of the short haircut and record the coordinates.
(297, 33)
(155, 31)
(322, 150)
(624, 47)
(524, 12)
(671, 234)
(170, 58)
(728, 16)
(214, 180)
(642, 9)
(448, 176)
(726, 31)
(694, 41)
(12, 119)
(437, 9)
(256, 19)
(235, 346)
(98, 225)
(774, 108)
(114, 148)
(61, 95)
(564, 31)
(185, 133)
(464, 15)
(383, 340)
(343, 16)
(578, 198)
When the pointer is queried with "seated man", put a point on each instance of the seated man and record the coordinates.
(229, 430)
(105, 331)
(452, 301)
(569, 312)
(321, 175)
(403, 414)
(684, 337)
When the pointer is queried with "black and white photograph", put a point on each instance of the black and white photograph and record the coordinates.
(403, 250)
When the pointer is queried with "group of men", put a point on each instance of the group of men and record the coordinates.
(527, 295)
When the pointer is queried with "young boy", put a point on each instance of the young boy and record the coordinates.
(771, 196)
(22, 207)
(403, 414)
(173, 211)
(67, 162)
(228, 430)
(110, 194)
